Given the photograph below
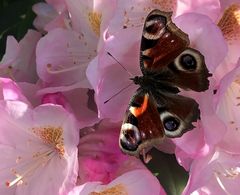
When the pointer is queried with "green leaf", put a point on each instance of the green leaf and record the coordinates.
(15, 19)
(171, 175)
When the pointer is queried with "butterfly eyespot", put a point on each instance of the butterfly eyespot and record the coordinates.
(171, 123)
(173, 126)
(154, 27)
(188, 62)
(130, 137)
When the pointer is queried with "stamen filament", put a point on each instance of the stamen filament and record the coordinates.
(19, 177)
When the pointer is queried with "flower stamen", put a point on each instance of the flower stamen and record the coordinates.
(115, 190)
(95, 20)
(230, 173)
(52, 136)
(41, 159)
(230, 23)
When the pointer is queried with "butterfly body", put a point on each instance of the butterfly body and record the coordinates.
(156, 109)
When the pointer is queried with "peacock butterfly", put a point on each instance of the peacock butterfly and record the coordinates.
(167, 63)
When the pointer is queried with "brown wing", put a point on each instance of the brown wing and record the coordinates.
(148, 119)
(165, 54)
(162, 41)
(177, 113)
(189, 71)
(142, 126)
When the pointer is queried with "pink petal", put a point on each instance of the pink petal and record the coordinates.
(205, 36)
(12, 51)
(108, 77)
(216, 173)
(131, 14)
(60, 21)
(228, 109)
(100, 158)
(11, 91)
(45, 13)
(232, 37)
(211, 8)
(76, 100)
(23, 67)
(59, 5)
(21, 143)
(82, 22)
(62, 58)
(132, 183)
(30, 92)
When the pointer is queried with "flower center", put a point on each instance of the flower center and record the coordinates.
(25, 166)
(115, 190)
(230, 23)
(95, 21)
(230, 173)
(52, 136)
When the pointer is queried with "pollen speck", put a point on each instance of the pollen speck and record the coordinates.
(19, 158)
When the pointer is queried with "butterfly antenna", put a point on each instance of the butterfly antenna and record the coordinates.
(118, 93)
(130, 74)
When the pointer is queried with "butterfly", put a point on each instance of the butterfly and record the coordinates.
(168, 64)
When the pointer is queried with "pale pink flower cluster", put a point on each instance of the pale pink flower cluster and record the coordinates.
(58, 137)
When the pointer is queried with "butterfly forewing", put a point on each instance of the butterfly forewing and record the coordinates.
(162, 41)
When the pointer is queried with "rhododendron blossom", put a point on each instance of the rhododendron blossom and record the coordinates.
(37, 146)
(99, 156)
(19, 61)
(134, 182)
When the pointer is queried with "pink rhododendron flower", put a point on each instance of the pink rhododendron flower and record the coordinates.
(139, 182)
(19, 61)
(228, 109)
(217, 173)
(38, 147)
(61, 58)
(100, 158)
(90, 19)
(230, 27)
(68, 80)
(129, 14)
(62, 55)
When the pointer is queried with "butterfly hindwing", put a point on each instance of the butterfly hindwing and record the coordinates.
(149, 119)
(177, 113)
(141, 126)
